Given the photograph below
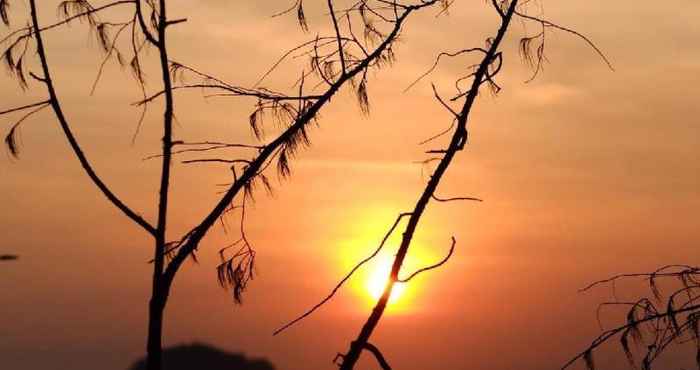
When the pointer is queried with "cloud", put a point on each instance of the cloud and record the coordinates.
(547, 94)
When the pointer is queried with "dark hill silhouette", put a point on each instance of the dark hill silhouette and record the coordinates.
(197, 356)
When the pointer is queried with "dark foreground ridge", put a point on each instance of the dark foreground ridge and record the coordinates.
(205, 357)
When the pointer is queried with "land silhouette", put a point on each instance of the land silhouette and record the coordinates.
(205, 357)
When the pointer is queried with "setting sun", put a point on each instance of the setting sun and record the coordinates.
(377, 279)
(369, 281)
(256, 174)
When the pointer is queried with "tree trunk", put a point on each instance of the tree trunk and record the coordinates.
(356, 347)
(154, 347)
(456, 144)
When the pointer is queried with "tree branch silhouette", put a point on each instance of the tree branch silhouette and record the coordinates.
(56, 105)
(346, 278)
(431, 267)
(159, 291)
(654, 323)
(482, 73)
(379, 24)
(146, 28)
(288, 139)
(456, 144)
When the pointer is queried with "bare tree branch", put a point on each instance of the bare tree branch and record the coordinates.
(216, 160)
(437, 61)
(378, 355)
(55, 104)
(28, 106)
(341, 53)
(294, 130)
(673, 319)
(346, 277)
(456, 144)
(546, 23)
(436, 198)
(431, 267)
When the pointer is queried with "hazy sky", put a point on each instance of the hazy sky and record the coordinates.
(585, 173)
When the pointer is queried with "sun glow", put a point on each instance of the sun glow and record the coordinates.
(377, 279)
(359, 241)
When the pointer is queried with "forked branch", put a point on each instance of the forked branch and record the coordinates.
(431, 267)
(56, 105)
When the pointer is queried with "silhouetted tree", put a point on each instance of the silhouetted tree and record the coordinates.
(482, 73)
(334, 61)
(669, 316)
(205, 357)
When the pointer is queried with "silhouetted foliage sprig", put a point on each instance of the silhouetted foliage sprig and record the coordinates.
(652, 324)
(4, 8)
(12, 137)
(17, 44)
(234, 272)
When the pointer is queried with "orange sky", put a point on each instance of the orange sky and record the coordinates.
(584, 173)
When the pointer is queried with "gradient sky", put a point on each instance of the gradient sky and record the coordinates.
(584, 172)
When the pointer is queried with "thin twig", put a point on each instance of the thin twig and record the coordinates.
(431, 267)
(345, 278)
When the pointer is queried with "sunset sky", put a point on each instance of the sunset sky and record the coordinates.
(584, 173)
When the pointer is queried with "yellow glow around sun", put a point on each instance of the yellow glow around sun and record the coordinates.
(368, 283)
(377, 279)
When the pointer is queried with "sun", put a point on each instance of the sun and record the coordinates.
(377, 279)
(359, 240)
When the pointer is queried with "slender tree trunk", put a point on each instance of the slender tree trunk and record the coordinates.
(154, 348)
(156, 313)
(353, 355)
(156, 308)
(160, 290)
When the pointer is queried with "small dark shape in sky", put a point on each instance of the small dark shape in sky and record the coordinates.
(8, 257)
(204, 357)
